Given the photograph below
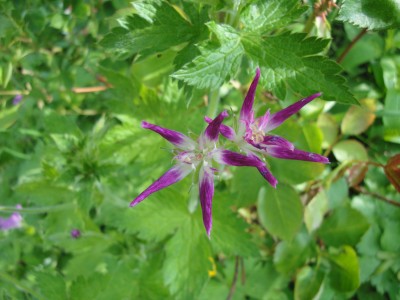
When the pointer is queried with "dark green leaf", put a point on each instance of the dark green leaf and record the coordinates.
(344, 226)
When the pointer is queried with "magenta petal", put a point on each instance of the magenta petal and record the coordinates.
(206, 191)
(225, 130)
(212, 130)
(282, 152)
(279, 117)
(275, 140)
(231, 158)
(174, 137)
(264, 171)
(246, 113)
(14, 221)
(173, 175)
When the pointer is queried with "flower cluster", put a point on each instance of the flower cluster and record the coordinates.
(252, 138)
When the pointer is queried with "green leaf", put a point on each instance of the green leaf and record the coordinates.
(51, 286)
(154, 219)
(264, 16)
(357, 119)
(344, 226)
(280, 211)
(295, 61)
(350, 150)
(8, 117)
(229, 234)
(290, 255)
(168, 28)
(187, 260)
(308, 282)
(344, 274)
(215, 64)
(329, 128)
(374, 15)
(392, 122)
(315, 211)
(246, 191)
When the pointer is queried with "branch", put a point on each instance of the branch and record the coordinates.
(235, 276)
(377, 196)
(352, 43)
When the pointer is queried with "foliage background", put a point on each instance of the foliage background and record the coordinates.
(72, 152)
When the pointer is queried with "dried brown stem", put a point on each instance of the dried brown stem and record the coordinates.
(235, 276)
(377, 196)
(352, 43)
(91, 89)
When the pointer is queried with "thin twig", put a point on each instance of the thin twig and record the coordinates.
(235, 276)
(378, 196)
(352, 43)
(91, 89)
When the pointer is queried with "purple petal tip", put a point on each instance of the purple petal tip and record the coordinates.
(145, 125)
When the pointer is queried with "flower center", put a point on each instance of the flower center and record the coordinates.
(257, 135)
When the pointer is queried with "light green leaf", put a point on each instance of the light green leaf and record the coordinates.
(374, 15)
(308, 282)
(51, 286)
(154, 219)
(280, 211)
(358, 118)
(350, 150)
(187, 261)
(168, 29)
(392, 122)
(215, 64)
(344, 226)
(345, 273)
(8, 117)
(329, 128)
(264, 16)
(315, 211)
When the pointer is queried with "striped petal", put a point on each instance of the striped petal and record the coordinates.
(265, 172)
(174, 137)
(173, 175)
(275, 140)
(279, 117)
(231, 158)
(246, 112)
(212, 131)
(225, 130)
(206, 191)
(296, 154)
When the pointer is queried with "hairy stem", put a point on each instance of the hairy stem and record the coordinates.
(213, 102)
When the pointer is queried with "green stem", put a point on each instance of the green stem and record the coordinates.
(36, 210)
(19, 285)
(213, 102)
(310, 23)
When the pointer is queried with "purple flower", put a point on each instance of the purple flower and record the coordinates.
(253, 135)
(191, 155)
(17, 99)
(14, 221)
(75, 233)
